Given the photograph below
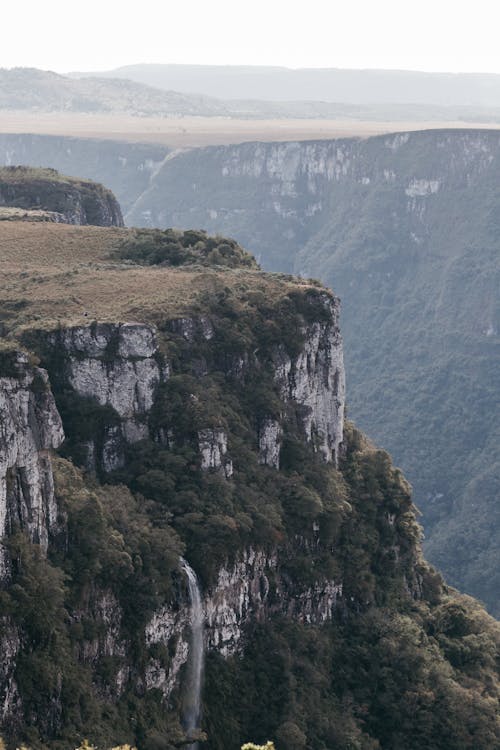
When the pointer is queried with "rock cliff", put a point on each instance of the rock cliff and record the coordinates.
(249, 591)
(69, 201)
(117, 371)
(315, 380)
(30, 426)
(404, 226)
(205, 419)
(116, 367)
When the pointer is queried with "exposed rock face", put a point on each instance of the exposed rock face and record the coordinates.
(270, 443)
(29, 427)
(118, 366)
(311, 385)
(118, 369)
(168, 626)
(9, 695)
(249, 590)
(315, 381)
(213, 448)
(189, 328)
(71, 201)
(377, 219)
(103, 610)
(252, 589)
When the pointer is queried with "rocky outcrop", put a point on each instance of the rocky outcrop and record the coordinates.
(171, 628)
(117, 366)
(115, 371)
(69, 200)
(9, 694)
(315, 382)
(254, 588)
(311, 385)
(212, 443)
(103, 611)
(251, 589)
(270, 443)
(29, 427)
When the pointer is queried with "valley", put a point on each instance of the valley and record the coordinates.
(404, 228)
(163, 400)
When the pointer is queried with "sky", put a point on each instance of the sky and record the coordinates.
(431, 35)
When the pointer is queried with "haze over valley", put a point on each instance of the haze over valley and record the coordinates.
(249, 379)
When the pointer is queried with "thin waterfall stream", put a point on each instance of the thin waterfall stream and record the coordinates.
(192, 704)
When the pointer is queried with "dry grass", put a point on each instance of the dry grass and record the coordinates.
(53, 274)
(206, 131)
(10, 213)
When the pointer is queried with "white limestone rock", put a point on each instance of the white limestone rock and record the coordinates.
(30, 426)
(251, 589)
(421, 188)
(119, 366)
(315, 380)
(212, 444)
(165, 624)
(239, 595)
(270, 434)
(10, 701)
(190, 328)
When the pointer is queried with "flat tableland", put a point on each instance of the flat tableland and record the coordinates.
(177, 132)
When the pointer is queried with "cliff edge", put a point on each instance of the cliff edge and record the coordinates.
(202, 403)
(61, 199)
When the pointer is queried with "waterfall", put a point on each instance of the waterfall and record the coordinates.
(192, 701)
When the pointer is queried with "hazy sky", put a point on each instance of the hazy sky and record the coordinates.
(442, 35)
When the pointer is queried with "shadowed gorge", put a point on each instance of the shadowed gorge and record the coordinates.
(406, 229)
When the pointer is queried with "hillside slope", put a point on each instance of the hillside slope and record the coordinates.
(206, 411)
(406, 228)
(45, 91)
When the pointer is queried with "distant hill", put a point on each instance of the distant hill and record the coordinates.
(29, 89)
(361, 87)
(32, 89)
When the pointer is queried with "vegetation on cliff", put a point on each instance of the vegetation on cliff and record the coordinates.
(405, 227)
(405, 662)
(154, 247)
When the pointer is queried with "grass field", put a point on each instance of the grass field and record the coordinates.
(205, 131)
(54, 274)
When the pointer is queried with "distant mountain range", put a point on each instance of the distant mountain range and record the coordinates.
(181, 91)
(358, 87)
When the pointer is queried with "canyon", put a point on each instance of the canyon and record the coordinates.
(163, 399)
